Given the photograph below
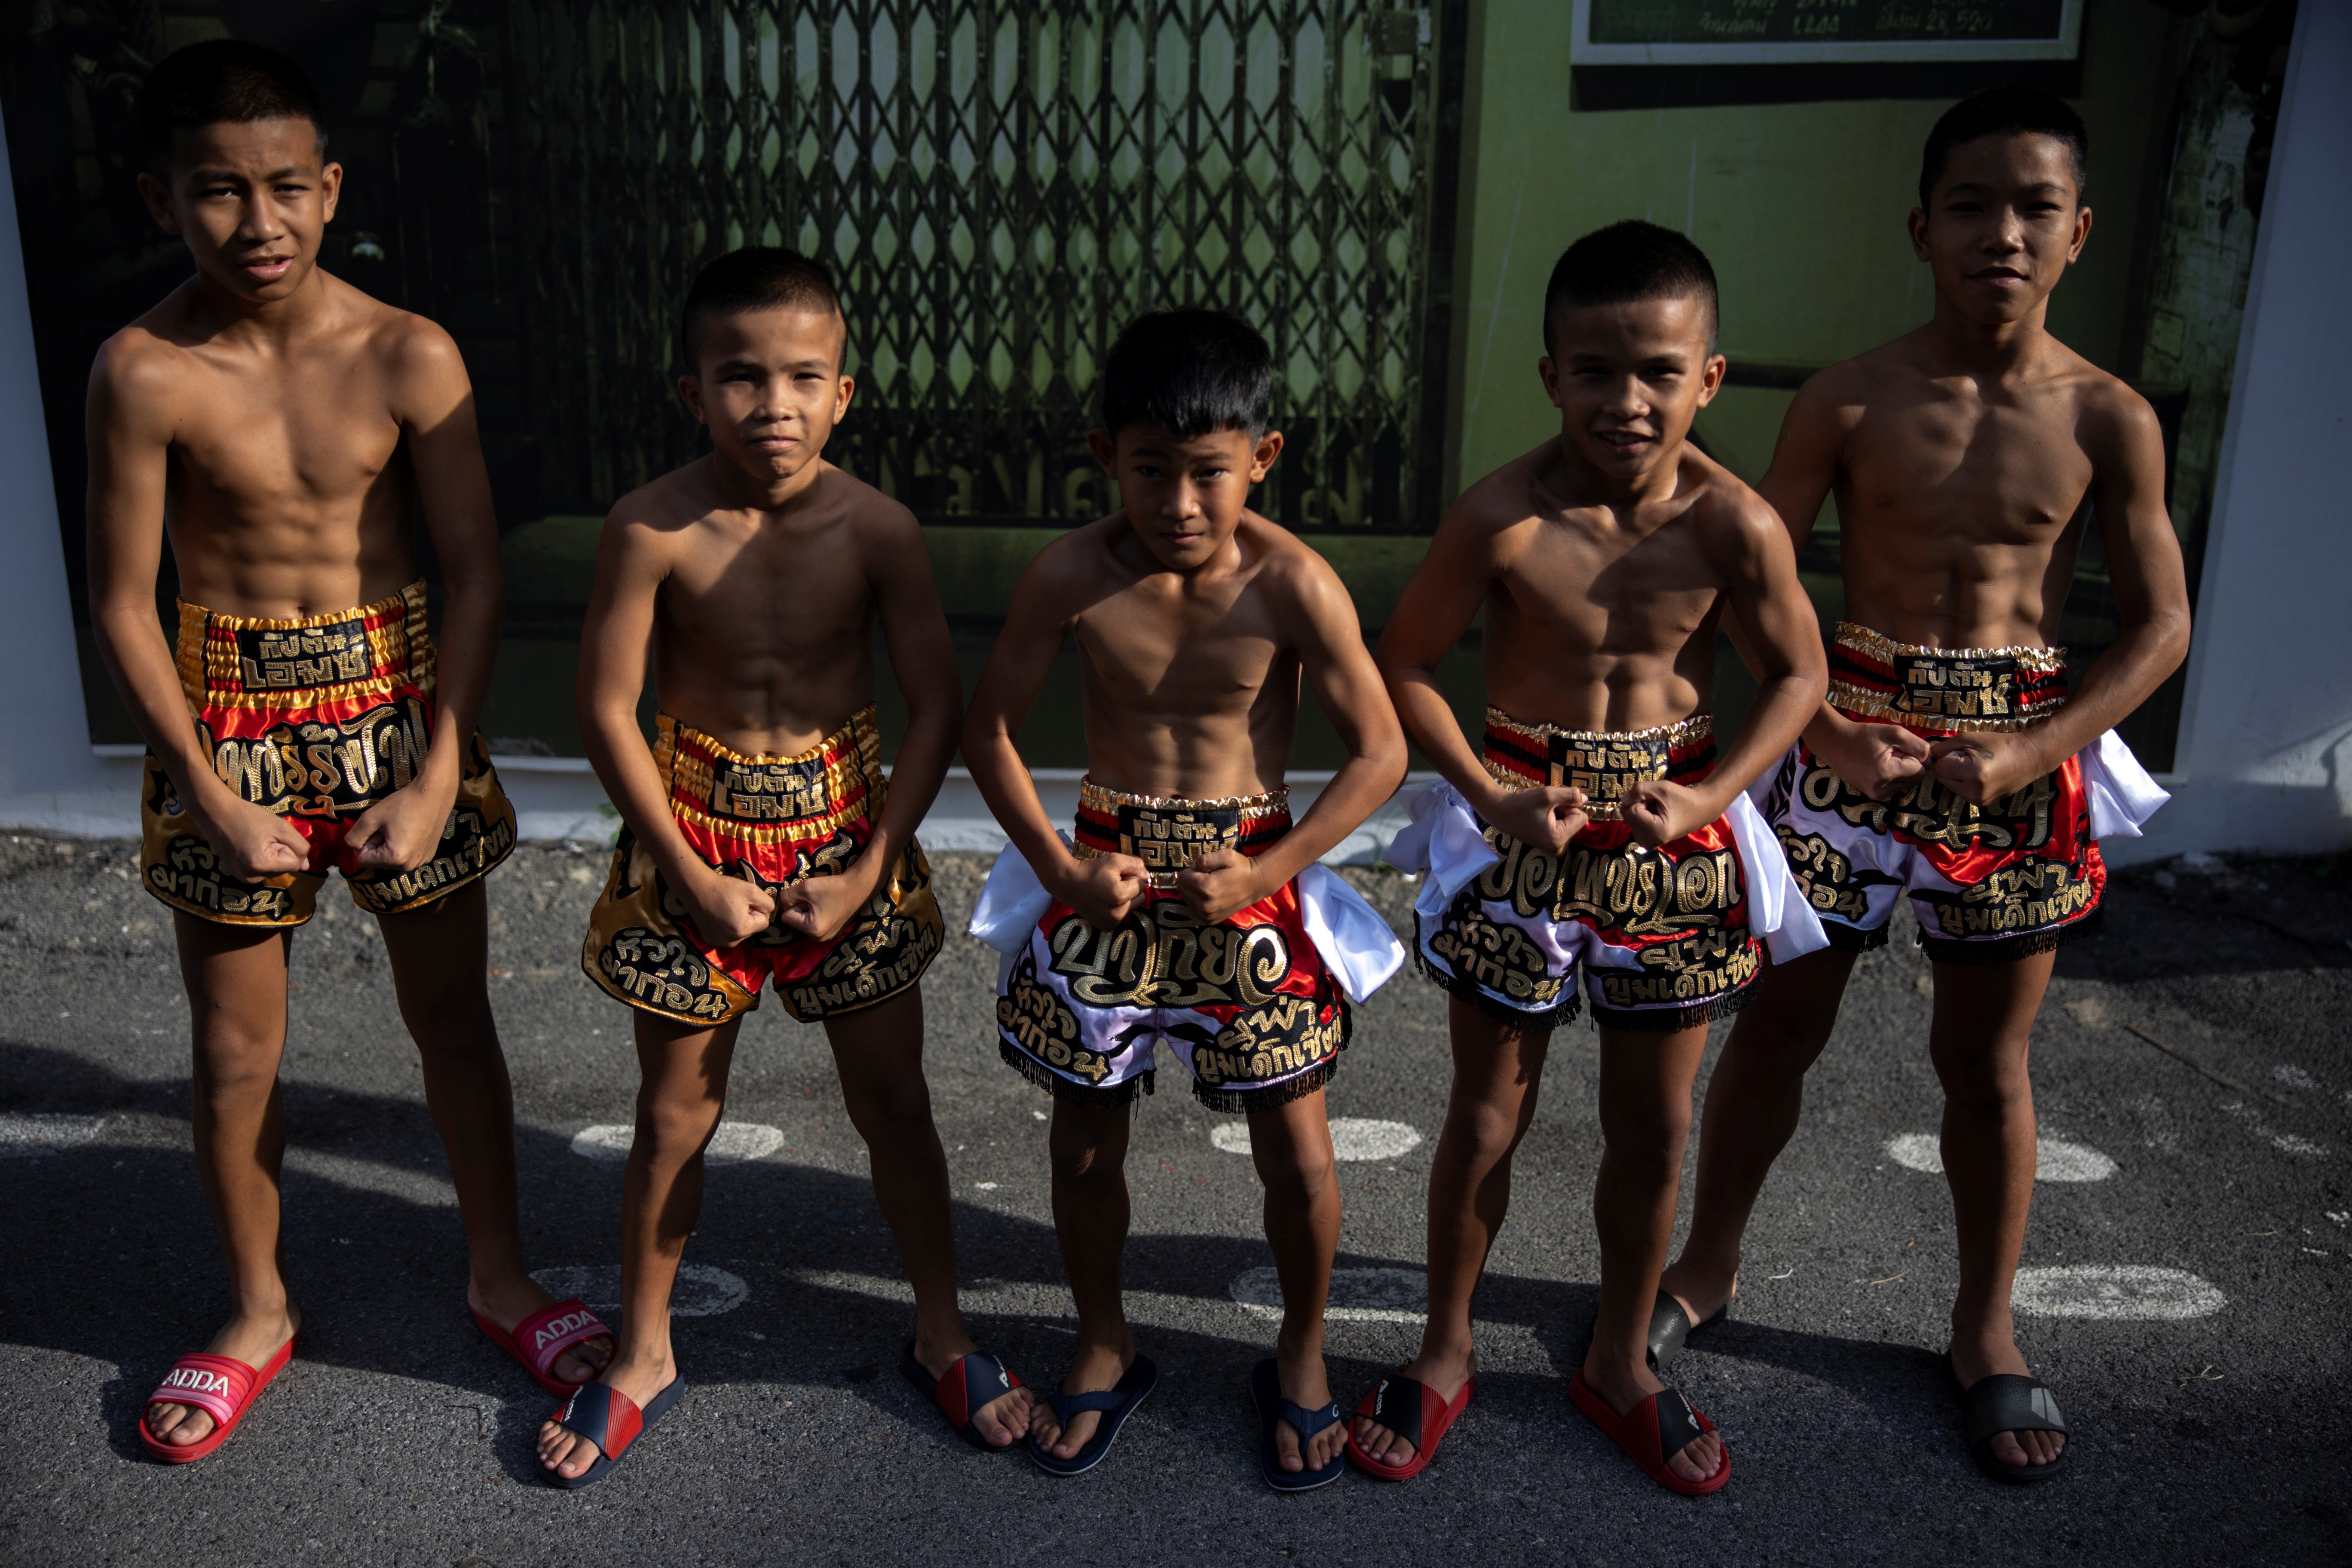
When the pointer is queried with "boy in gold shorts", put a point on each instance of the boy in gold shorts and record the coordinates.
(763, 841)
(283, 427)
(1188, 908)
(1596, 837)
(1951, 765)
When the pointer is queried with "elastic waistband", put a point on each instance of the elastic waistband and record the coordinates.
(1601, 762)
(255, 661)
(1944, 689)
(1167, 832)
(836, 780)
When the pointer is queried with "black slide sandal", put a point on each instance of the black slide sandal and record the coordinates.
(1670, 1329)
(2004, 1402)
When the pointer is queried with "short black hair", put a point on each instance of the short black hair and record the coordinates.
(2006, 112)
(1631, 260)
(1192, 370)
(756, 277)
(222, 81)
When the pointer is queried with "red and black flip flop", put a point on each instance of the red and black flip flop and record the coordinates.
(613, 1421)
(1413, 1411)
(971, 1386)
(1652, 1433)
(539, 1338)
(222, 1386)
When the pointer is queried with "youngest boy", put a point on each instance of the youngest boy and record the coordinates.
(1190, 909)
(763, 841)
(1598, 832)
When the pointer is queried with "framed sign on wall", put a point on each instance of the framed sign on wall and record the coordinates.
(1821, 32)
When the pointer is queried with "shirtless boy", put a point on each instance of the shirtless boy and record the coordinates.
(1181, 911)
(1592, 833)
(763, 841)
(283, 427)
(1951, 765)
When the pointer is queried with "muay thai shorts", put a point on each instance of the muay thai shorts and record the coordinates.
(1255, 1005)
(1660, 939)
(1989, 884)
(315, 719)
(771, 821)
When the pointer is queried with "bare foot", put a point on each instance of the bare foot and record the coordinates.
(1443, 1375)
(252, 1339)
(1702, 1292)
(1095, 1368)
(566, 1452)
(1002, 1419)
(1695, 1461)
(1977, 1357)
(507, 1302)
(1303, 1382)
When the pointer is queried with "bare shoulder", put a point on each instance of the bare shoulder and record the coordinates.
(140, 371)
(1079, 561)
(883, 526)
(649, 518)
(1735, 526)
(1840, 393)
(1290, 574)
(414, 349)
(2111, 416)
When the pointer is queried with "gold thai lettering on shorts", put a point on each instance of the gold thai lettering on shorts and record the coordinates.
(303, 659)
(1264, 1044)
(1496, 955)
(1826, 876)
(664, 972)
(310, 768)
(2032, 895)
(1686, 970)
(1634, 889)
(1168, 840)
(888, 947)
(471, 844)
(1034, 1018)
(189, 873)
(1164, 955)
(829, 858)
(1929, 811)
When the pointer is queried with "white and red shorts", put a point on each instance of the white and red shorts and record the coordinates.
(1255, 1005)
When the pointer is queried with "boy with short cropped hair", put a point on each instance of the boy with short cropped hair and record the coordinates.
(1951, 765)
(1598, 833)
(763, 840)
(281, 427)
(1189, 907)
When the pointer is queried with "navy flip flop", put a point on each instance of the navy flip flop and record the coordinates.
(971, 1386)
(612, 1420)
(1116, 1403)
(1266, 1392)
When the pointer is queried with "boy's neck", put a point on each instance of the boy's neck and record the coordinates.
(740, 490)
(227, 310)
(1581, 484)
(1994, 348)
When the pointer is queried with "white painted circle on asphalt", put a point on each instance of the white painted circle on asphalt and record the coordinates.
(1358, 1294)
(734, 1142)
(29, 1134)
(2120, 1293)
(1352, 1138)
(2054, 1159)
(702, 1292)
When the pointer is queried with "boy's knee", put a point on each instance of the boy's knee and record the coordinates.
(1298, 1178)
(1486, 1131)
(891, 1112)
(670, 1134)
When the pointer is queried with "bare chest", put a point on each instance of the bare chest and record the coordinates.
(794, 597)
(1579, 595)
(322, 436)
(1163, 652)
(1969, 473)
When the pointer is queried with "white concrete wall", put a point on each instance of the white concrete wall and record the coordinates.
(2265, 754)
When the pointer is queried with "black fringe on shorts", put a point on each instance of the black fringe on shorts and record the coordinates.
(1667, 1020)
(1470, 991)
(2009, 950)
(1854, 939)
(1060, 1087)
(1237, 1102)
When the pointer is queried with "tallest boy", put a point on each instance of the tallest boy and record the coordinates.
(283, 427)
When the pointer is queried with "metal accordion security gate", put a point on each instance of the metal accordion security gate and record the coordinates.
(997, 188)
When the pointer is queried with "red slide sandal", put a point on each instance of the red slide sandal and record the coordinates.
(1653, 1432)
(1413, 1412)
(222, 1386)
(546, 1334)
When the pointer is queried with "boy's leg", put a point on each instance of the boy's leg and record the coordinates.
(1290, 1143)
(1984, 1021)
(1088, 1147)
(1646, 1108)
(438, 967)
(1497, 1071)
(1753, 1101)
(681, 1092)
(878, 1052)
(236, 977)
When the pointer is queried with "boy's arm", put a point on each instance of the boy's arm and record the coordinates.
(1872, 758)
(129, 442)
(922, 660)
(1103, 888)
(630, 566)
(1345, 680)
(2151, 590)
(1443, 597)
(434, 401)
(1766, 609)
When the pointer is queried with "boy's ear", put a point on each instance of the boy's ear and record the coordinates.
(1917, 223)
(2081, 234)
(1548, 374)
(689, 392)
(158, 197)
(1710, 377)
(1105, 450)
(847, 390)
(1269, 447)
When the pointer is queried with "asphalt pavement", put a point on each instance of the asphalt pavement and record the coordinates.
(2186, 1295)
